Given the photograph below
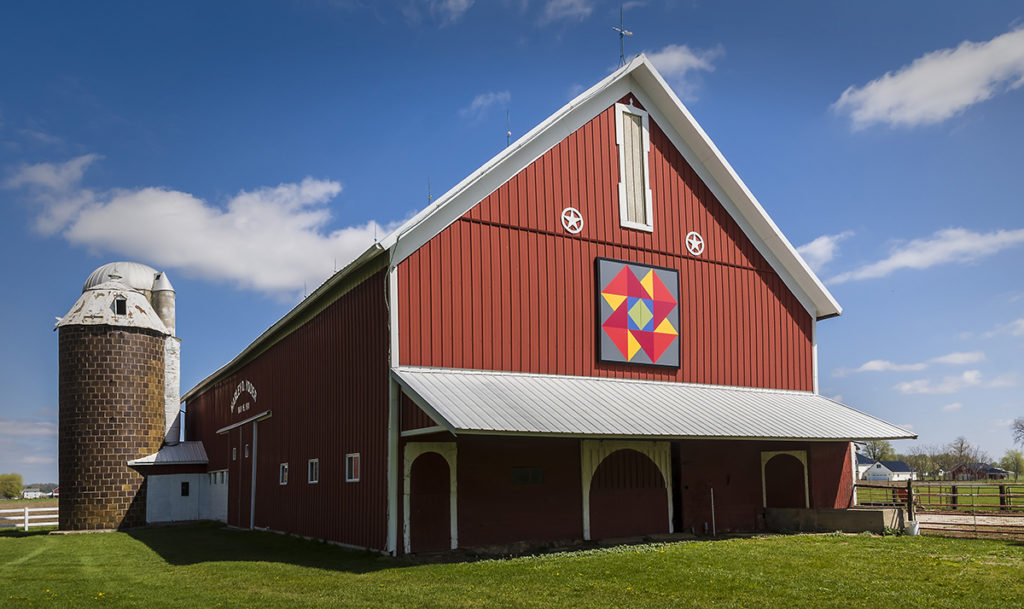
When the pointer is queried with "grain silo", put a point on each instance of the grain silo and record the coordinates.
(119, 363)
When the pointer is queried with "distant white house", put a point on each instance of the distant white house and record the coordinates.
(32, 493)
(864, 463)
(893, 471)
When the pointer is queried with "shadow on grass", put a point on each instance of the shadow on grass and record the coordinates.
(212, 542)
(18, 532)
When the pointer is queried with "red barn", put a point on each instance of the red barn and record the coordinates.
(599, 333)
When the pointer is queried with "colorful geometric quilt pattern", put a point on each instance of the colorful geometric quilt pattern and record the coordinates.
(639, 313)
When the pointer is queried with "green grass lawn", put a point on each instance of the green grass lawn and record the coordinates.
(207, 566)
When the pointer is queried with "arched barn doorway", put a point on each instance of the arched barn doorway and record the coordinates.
(628, 497)
(429, 504)
(785, 479)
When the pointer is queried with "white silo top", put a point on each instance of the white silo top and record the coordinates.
(98, 306)
(135, 275)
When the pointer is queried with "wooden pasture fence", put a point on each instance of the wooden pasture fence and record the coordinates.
(960, 509)
(28, 517)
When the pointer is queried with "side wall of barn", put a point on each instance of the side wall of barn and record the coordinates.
(326, 386)
(506, 287)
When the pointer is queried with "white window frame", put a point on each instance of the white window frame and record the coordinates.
(313, 471)
(282, 478)
(621, 109)
(351, 458)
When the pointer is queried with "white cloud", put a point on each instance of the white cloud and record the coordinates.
(950, 384)
(952, 407)
(953, 384)
(484, 102)
(882, 365)
(1014, 328)
(272, 239)
(938, 85)
(948, 245)
(555, 10)
(22, 428)
(451, 11)
(677, 62)
(960, 358)
(38, 460)
(822, 250)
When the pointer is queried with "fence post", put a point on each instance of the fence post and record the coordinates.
(952, 497)
(910, 500)
(1002, 497)
(26, 518)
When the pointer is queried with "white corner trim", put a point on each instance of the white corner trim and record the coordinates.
(594, 452)
(801, 456)
(394, 422)
(393, 318)
(814, 355)
(449, 452)
(621, 109)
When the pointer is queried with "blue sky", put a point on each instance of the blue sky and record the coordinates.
(250, 148)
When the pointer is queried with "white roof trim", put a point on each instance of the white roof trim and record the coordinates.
(513, 403)
(640, 78)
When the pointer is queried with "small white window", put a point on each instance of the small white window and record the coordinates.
(633, 139)
(313, 471)
(352, 467)
(246, 451)
(234, 453)
(284, 474)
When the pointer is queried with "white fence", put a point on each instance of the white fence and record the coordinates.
(28, 517)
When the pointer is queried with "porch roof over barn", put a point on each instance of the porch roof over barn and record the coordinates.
(183, 453)
(490, 402)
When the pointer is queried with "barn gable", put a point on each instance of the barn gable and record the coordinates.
(640, 79)
(508, 286)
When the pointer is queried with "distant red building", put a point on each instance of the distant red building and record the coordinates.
(599, 333)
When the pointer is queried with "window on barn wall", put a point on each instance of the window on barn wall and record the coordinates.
(633, 139)
(184, 489)
(352, 467)
(313, 471)
(234, 454)
(284, 474)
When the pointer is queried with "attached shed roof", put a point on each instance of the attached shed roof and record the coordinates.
(185, 453)
(489, 402)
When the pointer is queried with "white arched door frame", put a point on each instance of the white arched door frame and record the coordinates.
(447, 450)
(594, 452)
(801, 456)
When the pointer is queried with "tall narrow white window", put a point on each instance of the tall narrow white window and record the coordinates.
(283, 477)
(352, 467)
(313, 471)
(633, 140)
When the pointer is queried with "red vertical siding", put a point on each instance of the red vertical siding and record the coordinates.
(327, 384)
(526, 298)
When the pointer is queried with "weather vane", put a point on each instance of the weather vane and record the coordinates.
(622, 34)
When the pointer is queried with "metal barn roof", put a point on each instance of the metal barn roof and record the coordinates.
(488, 402)
(185, 453)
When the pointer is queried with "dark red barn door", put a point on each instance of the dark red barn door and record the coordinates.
(429, 504)
(784, 482)
(627, 497)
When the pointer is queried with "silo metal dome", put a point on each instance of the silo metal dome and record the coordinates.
(135, 275)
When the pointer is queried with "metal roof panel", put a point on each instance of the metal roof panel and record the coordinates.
(481, 401)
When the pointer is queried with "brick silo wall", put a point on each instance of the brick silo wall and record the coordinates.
(111, 411)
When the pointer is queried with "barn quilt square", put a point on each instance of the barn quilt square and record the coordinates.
(638, 309)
